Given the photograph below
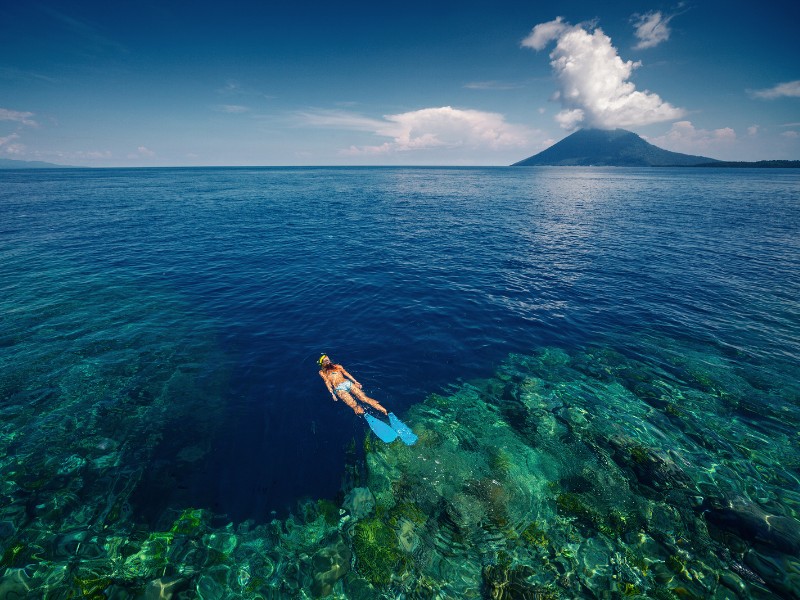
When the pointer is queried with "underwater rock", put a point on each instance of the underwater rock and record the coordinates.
(493, 495)
(7, 530)
(781, 573)
(751, 523)
(164, 588)
(745, 572)
(515, 411)
(649, 393)
(465, 511)
(652, 469)
(734, 583)
(223, 542)
(502, 582)
(114, 459)
(407, 536)
(15, 584)
(302, 536)
(329, 565)
(359, 502)
(209, 586)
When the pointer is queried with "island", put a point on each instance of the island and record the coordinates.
(622, 148)
(8, 163)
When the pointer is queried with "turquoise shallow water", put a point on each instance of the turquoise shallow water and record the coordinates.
(601, 364)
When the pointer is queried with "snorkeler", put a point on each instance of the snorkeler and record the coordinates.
(340, 382)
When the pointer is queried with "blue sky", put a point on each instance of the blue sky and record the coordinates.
(390, 83)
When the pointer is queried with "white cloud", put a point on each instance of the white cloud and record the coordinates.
(339, 119)
(142, 152)
(752, 130)
(651, 29)
(789, 89)
(493, 85)
(792, 135)
(231, 87)
(544, 33)
(684, 137)
(8, 146)
(232, 109)
(94, 154)
(425, 129)
(74, 156)
(8, 139)
(594, 86)
(17, 116)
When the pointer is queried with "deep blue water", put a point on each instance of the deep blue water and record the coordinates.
(219, 288)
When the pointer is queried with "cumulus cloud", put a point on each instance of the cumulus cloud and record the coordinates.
(594, 87)
(651, 29)
(427, 128)
(17, 116)
(544, 33)
(685, 137)
(789, 89)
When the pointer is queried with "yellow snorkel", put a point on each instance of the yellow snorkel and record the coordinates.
(321, 358)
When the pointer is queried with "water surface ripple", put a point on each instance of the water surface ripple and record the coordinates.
(414, 278)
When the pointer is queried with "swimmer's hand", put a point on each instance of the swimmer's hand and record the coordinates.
(335, 399)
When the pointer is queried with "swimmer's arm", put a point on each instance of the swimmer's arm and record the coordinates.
(353, 379)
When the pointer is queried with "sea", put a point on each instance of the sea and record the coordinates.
(602, 366)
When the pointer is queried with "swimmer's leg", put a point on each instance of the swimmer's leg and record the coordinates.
(348, 399)
(366, 399)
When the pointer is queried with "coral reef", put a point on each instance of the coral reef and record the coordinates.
(375, 546)
(570, 473)
(359, 502)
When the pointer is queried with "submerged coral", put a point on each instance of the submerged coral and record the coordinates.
(359, 502)
(376, 550)
(567, 474)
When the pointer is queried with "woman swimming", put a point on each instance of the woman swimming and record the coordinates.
(340, 383)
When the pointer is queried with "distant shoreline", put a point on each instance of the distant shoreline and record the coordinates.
(761, 164)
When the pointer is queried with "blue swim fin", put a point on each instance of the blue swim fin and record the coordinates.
(381, 429)
(409, 437)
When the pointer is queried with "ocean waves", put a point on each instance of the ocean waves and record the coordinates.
(159, 331)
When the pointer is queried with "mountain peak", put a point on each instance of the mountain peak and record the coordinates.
(609, 148)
